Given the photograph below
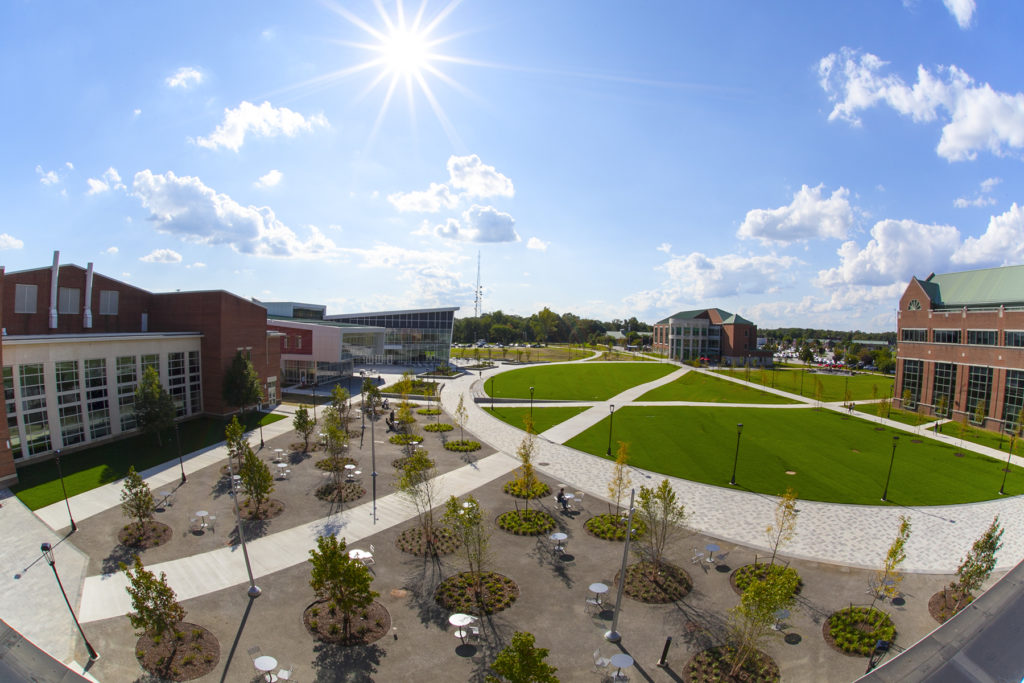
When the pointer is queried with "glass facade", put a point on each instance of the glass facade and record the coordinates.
(943, 388)
(946, 336)
(983, 337)
(1013, 401)
(33, 408)
(979, 388)
(69, 400)
(127, 382)
(411, 337)
(692, 342)
(910, 392)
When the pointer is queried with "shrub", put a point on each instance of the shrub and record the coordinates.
(516, 488)
(462, 446)
(855, 630)
(613, 527)
(429, 411)
(526, 522)
(748, 574)
(437, 427)
(405, 439)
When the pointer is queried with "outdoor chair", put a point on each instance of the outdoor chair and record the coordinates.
(254, 652)
(370, 560)
(697, 556)
(211, 521)
(195, 524)
(594, 602)
(285, 673)
(599, 661)
(578, 500)
(474, 631)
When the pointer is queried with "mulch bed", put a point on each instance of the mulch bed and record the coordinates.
(413, 541)
(714, 664)
(332, 464)
(345, 492)
(525, 522)
(761, 570)
(669, 584)
(399, 463)
(866, 634)
(367, 627)
(152, 535)
(270, 509)
(196, 653)
(456, 593)
(942, 604)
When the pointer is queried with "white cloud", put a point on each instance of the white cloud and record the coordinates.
(111, 250)
(271, 179)
(665, 247)
(979, 117)
(161, 256)
(429, 277)
(477, 179)
(262, 121)
(10, 242)
(1002, 243)
(197, 264)
(184, 206)
(808, 216)
(438, 197)
(982, 198)
(184, 78)
(70, 166)
(962, 11)
(537, 244)
(109, 180)
(47, 177)
(478, 224)
(136, 112)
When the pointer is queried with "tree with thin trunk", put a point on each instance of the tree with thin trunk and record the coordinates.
(664, 516)
(522, 662)
(234, 436)
(979, 413)
(621, 479)
(888, 579)
(526, 475)
(461, 416)
(977, 566)
(340, 579)
(154, 408)
(784, 528)
(155, 605)
(418, 485)
(257, 482)
(750, 622)
(335, 440)
(304, 425)
(464, 520)
(340, 400)
(241, 383)
(137, 500)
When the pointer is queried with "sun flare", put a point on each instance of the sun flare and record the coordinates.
(404, 52)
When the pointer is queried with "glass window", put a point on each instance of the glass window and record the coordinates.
(910, 392)
(127, 381)
(1014, 338)
(1013, 402)
(946, 336)
(151, 360)
(943, 388)
(69, 300)
(914, 335)
(108, 301)
(11, 404)
(984, 337)
(979, 390)
(96, 395)
(25, 298)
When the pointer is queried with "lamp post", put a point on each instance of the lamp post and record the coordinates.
(531, 404)
(611, 421)
(254, 590)
(613, 635)
(736, 458)
(1006, 471)
(892, 458)
(260, 411)
(373, 461)
(60, 473)
(181, 464)
(47, 551)
(314, 398)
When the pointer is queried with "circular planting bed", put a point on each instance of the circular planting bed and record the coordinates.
(345, 492)
(714, 664)
(942, 605)
(429, 411)
(325, 622)
(186, 652)
(335, 464)
(613, 527)
(399, 463)
(646, 583)
(747, 574)
(405, 439)
(270, 509)
(150, 535)
(526, 522)
(855, 630)
(458, 593)
(517, 489)
(413, 541)
(462, 446)
(438, 427)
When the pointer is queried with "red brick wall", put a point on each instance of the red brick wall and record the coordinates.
(294, 335)
(7, 470)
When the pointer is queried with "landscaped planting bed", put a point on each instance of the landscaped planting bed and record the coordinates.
(462, 446)
(324, 621)
(345, 492)
(854, 630)
(517, 489)
(334, 464)
(667, 583)
(747, 574)
(526, 522)
(437, 427)
(149, 536)
(613, 527)
(186, 652)
(942, 605)
(413, 541)
(458, 593)
(713, 666)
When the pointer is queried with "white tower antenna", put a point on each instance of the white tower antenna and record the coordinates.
(479, 289)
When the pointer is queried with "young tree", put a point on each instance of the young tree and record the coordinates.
(241, 383)
(979, 413)
(889, 577)
(465, 521)
(461, 416)
(337, 578)
(335, 440)
(664, 516)
(418, 485)
(621, 479)
(156, 607)
(977, 566)
(526, 476)
(521, 662)
(234, 436)
(340, 401)
(257, 482)
(304, 425)
(154, 407)
(782, 531)
(137, 499)
(751, 621)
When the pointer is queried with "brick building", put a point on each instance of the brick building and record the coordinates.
(75, 343)
(960, 352)
(710, 333)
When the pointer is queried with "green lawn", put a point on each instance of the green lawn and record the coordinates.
(907, 417)
(698, 386)
(550, 354)
(861, 386)
(834, 457)
(39, 486)
(983, 437)
(543, 418)
(579, 382)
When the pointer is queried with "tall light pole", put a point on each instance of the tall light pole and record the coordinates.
(254, 590)
(611, 421)
(181, 464)
(47, 551)
(531, 404)
(60, 473)
(613, 635)
(1006, 471)
(736, 458)
(373, 461)
(314, 398)
(885, 492)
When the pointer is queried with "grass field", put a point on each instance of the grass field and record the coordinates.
(834, 457)
(698, 386)
(907, 417)
(543, 418)
(39, 486)
(549, 354)
(578, 382)
(620, 356)
(983, 437)
(833, 387)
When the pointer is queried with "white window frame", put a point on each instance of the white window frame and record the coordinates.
(25, 297)
(108, 301)
(69, 300)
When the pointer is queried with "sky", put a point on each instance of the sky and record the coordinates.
(793, 162)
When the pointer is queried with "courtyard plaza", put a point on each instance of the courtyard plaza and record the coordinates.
(836, 549)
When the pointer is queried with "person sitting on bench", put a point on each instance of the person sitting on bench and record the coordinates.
(562, 500)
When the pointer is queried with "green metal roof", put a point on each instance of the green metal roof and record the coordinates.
(987, 287)
(726, 317)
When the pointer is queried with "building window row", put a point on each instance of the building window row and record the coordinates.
(1013, 338)
(69, 300)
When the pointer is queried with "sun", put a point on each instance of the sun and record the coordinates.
(405, 53)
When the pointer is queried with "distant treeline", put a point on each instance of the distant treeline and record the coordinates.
(544, 326)
(789, 334)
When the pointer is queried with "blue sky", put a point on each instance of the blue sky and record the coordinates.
(794, 162)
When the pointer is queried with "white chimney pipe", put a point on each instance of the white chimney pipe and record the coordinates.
(87, 322)
(53, 290)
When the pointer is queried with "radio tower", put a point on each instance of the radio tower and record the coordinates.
(479, 289)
